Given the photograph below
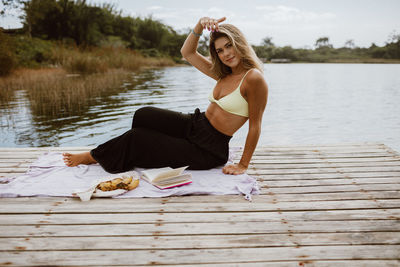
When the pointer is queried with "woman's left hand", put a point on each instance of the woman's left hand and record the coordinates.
(234, 169)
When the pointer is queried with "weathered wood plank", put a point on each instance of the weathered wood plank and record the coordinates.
(316, 176)
(267, 197)
(195, 256)
(276, 171)
(323, 165)
(129, 206)
(288, 147)
(257, 160)
(250, 216)
(261, 171)
(155, 229)
(53, 148)
(264, 154)
(5, 166)
(340, 181)
(199, 242)
(326, 196)
(326, 157)
(319, 263)
(329, 188)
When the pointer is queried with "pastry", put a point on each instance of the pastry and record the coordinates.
(127, 183)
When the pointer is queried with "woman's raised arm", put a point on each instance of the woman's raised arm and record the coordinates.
(189, 48)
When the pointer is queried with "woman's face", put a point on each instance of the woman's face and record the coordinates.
(226, 52)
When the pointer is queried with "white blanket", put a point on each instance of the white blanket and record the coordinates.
(49, 176)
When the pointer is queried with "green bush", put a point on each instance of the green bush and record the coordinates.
(151, 52)
(32, 52)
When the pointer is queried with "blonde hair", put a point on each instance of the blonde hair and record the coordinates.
(248, 57)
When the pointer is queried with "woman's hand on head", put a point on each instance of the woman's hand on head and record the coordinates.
(234, 169)
(211, 24)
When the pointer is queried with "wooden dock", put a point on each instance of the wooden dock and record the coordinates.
(328, 205)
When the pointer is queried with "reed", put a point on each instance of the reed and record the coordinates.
(53, 92)
(100, 60)
(76, 79)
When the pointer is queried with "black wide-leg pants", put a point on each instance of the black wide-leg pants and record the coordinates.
(164, 138)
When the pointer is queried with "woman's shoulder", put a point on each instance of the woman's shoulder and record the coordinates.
(254, 77)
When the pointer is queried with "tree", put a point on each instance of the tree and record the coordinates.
(286, 52)
(11, 4)
(393, 37)
(267, 42)
(393, 46)
(349, 44)
(323, 42)
(203, 45)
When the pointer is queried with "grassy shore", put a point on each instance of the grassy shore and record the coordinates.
(366, 61)
(348, 61)
(73, 78)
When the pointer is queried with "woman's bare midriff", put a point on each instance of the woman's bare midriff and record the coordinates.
(224, 121)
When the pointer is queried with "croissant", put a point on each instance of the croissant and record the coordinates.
(126, 183)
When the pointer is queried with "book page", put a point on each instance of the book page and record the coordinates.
(158, 174)
(169, 173)
(154, 173)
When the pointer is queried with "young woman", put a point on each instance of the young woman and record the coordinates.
(160, 138)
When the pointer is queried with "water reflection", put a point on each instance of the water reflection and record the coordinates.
(308, 104)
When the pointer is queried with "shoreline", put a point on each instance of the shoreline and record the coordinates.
(340, 62)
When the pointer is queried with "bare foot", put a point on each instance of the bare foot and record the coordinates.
(72, 160)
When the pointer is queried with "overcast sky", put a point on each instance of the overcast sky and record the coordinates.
(298, 23)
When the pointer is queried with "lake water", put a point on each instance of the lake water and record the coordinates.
(307, 104)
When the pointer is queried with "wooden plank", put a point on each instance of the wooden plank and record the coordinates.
(259, 151)
(261, 171)
(324, 153)
(260, 148)
(155, 229)
(250, 216)
(266, 197)
(278, 171)
(327, 157)
(265, 153)
(316, 176)
(5, 167)
(329, 188)
(317, 149)
(45, 149)
(257, 160)
(199, 242)
(195, 256)
(326, 196)
(326, 165)
(340, 181)
(8, 205)
(330, 263)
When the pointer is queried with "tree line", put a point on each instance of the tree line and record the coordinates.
(86, 25)
(76, 22)
(324, 51)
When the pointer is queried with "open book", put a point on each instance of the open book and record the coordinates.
(167, 177)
